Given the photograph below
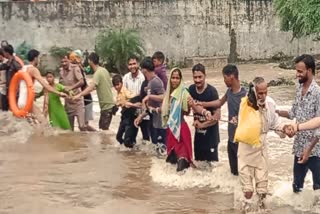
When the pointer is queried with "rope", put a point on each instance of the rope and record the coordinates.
(190, 115)
(97, 101)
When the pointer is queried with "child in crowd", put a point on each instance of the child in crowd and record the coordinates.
(128, 103)
(160, 69)
(53, 106)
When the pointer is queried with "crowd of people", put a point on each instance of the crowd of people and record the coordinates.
(157, 105)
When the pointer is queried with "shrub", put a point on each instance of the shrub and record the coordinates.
(59, 52)
(22, 51)
(115, 47)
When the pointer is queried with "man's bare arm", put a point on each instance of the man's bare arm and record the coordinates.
(157, 98)
(283, 113)
(306, 153)
(217, 114)
(216, 103)
(196, 108)
(45, 104)
(88, 89)
(314, 141)
(36, 75)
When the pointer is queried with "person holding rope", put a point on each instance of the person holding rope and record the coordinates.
(153, 100)
(32, 70)
(127, 131)
(11, 66)
(3, 89)
(176, 104)
(256, 117)
(75, 58)
(53, 107)
(206, 138)
(133, 81)
(305, 107)
(233, 97)
(101, 82)
(72, 79)
(295, 128)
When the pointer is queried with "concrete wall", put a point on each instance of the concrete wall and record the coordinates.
(180, 28)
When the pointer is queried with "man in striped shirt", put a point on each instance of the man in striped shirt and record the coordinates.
(133, 82)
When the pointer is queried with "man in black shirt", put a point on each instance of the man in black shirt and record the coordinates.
(207, 136)
(11, 67)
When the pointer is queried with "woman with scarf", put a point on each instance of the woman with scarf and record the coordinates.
(176, 104)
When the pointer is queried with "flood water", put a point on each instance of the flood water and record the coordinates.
(65, 172)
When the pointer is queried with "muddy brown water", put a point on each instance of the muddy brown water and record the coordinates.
(64, 172)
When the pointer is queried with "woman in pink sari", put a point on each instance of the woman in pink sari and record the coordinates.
(175, 105)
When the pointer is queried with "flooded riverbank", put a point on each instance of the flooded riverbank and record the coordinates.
(65, 172)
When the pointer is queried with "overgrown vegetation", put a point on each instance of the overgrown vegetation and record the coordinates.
(22, 51)
(43, 68)
(302, 17)
(276, 82)
(281, 81)
(287, 64)
(244, 84)
(59, 52)
(115, 46)
(172, 64)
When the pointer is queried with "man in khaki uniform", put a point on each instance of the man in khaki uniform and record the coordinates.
(72, 79)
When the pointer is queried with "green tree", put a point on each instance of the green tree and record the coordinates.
(59, 52)
(302, 17)
(22, 51)
(116, 46)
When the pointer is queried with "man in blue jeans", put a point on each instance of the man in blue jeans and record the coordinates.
(305, 107)
(155, 92)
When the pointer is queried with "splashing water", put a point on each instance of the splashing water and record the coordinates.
(13, 129)
(217, 176)
(17, 130)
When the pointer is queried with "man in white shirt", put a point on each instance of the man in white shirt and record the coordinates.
(133, 82)
(134, 79)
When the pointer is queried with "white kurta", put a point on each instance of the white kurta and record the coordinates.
(253, 161)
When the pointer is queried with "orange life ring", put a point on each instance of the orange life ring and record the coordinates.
(13, 88)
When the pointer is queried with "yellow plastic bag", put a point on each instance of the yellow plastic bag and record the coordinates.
(249, 124)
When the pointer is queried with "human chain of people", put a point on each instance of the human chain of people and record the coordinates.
(157, 105)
